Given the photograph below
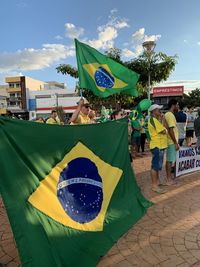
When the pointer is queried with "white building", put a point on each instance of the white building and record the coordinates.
(22, 94)
(41, 103)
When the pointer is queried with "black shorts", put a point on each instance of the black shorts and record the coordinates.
(189, 133)
(135, 140)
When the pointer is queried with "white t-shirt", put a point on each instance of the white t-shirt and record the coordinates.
(190, 121)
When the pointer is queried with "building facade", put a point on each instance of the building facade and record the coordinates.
(41, 103)
(17, 101)
(28, 98)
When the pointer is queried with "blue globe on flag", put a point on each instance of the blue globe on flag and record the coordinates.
(103, 78)
(79, 190)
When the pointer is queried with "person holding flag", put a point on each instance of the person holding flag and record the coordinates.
(81, 114)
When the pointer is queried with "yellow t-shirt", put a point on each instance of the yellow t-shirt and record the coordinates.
(171, 121)
(158, 138)
(142, 123)
(39, 121)
(52, 121)
(82, 119)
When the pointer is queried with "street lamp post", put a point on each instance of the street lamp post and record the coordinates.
(148, 49)
(56, 97)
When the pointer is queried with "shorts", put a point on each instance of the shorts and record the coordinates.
(189, 133)
(136, 140)
(157, 158)
(171, 153)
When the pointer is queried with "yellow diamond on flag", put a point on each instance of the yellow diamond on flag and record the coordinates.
(78, 190)
(103, 77)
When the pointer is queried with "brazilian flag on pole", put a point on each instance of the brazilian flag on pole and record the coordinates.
(69, 193)
(102, 75)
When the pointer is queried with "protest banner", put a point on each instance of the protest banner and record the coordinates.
(187, 160)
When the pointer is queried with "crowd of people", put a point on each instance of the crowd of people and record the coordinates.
(150, 130)
(168, 132)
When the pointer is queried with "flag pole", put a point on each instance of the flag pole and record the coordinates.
(115, 102)
(81, 93)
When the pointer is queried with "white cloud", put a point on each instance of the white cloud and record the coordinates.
(152, 37)
(198, 43)
(138, 49)
(105, 39)
(138, 35)
(185, 41)
(127, 53)
(136, 42)
(58, 37)
(116, 21)
(108, 33)
(121, 24)
(113, 11)
(71, 31)
(126, 44)
(34, 59)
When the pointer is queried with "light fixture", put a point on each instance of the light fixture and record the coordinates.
(149, 46)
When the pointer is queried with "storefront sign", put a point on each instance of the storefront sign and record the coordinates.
(168, 91)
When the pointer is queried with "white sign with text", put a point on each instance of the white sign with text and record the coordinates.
(187, 160)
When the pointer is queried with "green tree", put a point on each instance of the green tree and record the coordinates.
(67, 69)
(115, 54)
(161, 67)
(193, 98)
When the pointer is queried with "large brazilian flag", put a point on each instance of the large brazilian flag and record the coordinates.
(103, 75)
(69, 191)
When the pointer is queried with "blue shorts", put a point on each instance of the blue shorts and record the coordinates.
(171, 153)
(157, 159)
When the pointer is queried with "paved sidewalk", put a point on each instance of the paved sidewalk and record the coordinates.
(168, 235)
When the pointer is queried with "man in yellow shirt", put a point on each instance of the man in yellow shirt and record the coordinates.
(81, 114)
(53, 119)
(172, 138)
(158, 144)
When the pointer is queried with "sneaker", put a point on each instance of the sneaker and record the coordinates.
(163, 184)
(158, 190)
(171, 183)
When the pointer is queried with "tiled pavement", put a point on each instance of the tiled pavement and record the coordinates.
(168, 235)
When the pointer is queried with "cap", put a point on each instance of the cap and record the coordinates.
(86, 104)
(155, 106)
(85, 101)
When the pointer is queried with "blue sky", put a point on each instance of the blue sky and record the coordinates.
(36, 36)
